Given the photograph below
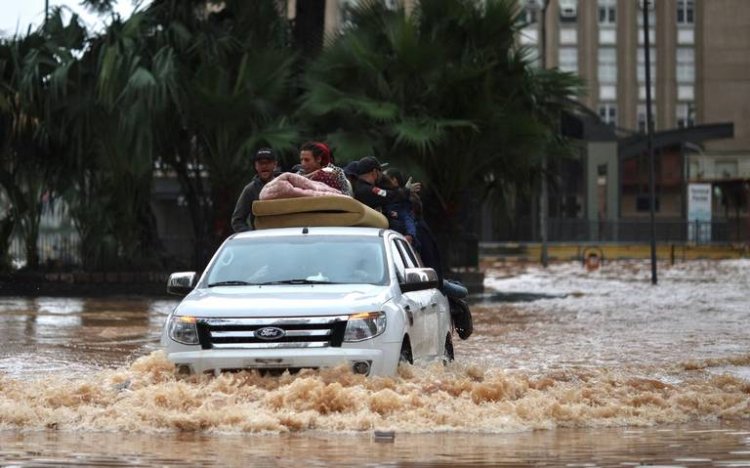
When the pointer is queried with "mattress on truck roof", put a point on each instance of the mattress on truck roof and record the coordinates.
(315, 211)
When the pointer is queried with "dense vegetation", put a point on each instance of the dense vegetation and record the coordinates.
(192, 88)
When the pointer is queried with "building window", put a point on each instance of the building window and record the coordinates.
(529, 36)
(725, 169)
(569, 59)
(608, 113)
(607, 36)
(685, 36)
(651, 14)
(533, 57)
(685, 114)
(642, 92)
(607, 65)
(685, 65)
(651, 36)
(607, 12)
(651, 23)
(685, 92)
(643, 202)
(642, 119)
(641, 67)
(568, 36)
(530, 12)
(641, 111)
(685, 12)
(649, 4)
(568, 11)
(608, 92)
(346, 12)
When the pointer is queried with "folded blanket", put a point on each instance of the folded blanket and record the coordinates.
(332, 176)
(289, 185)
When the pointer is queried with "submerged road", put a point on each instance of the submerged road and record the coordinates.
(602, 369)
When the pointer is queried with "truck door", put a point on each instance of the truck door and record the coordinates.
(410, 301)
(422, 342)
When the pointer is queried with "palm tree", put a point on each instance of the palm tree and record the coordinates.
(191, 87)
(30, 67)
(205, 85)
(445, 91)
(194, 86)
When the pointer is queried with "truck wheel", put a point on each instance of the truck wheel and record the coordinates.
(448, 355)
(406, 356)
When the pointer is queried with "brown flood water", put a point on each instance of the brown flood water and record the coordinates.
(610, 373)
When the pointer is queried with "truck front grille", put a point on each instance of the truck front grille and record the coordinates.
(267, 333)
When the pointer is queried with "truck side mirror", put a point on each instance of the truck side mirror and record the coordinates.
(181, 283)
(417, 279)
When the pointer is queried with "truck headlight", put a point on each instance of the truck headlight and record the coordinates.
(182, 329)
(364, 326)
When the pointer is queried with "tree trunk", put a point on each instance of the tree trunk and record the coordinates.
(31, 237)
(193, 190)
(6, 229)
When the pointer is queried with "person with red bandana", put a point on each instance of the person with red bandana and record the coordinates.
(316, 161)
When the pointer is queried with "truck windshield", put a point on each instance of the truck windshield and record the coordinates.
(299, 260)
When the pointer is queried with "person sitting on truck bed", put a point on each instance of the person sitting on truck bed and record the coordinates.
(264, 163)
(317, 164)
(350, 170)
(401, 210)
(368, 191)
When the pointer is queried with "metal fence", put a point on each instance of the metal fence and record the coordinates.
(57, 250)
(635, 231)
(61, 250)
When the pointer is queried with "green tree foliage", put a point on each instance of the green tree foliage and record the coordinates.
(32, 68)
(445, 90)
(191, 88)
(208, 83)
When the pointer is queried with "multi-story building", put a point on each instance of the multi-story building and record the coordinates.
(700, 76)
(700, 68)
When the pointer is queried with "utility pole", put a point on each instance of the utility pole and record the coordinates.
(46, 11)
(544, 195)
(649, 140)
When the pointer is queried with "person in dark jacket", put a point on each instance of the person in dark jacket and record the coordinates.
(429, 250)
(351, 172)
(368, 190)
(453, 290)
(265, 163)
(401, 211)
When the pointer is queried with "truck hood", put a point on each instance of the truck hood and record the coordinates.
(283, 300)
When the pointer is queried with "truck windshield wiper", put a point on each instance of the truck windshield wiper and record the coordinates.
(230, 283)
(297, 281)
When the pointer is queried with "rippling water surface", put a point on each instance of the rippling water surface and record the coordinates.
(607, 370)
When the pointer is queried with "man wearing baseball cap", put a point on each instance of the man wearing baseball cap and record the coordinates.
(264, 162)
(366, 188)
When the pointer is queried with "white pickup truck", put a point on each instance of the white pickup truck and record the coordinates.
(309, 297)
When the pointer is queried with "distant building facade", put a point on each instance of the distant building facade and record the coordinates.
(700, 74)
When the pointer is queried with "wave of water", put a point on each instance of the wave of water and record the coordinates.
(148, 396)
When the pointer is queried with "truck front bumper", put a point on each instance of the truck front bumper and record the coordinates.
(364, 361)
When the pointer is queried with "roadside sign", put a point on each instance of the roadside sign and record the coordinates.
(699, 213)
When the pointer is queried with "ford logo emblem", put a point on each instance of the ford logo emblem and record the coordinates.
(269, 333)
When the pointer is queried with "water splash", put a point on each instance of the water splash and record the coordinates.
(148, 396)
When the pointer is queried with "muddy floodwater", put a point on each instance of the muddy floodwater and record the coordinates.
(565, 368)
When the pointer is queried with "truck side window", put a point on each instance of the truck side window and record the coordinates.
(410, 259)
(398, 261)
